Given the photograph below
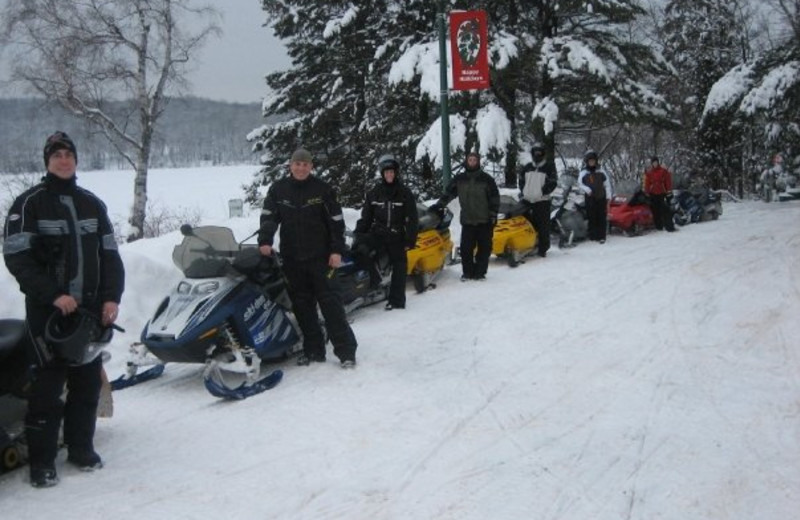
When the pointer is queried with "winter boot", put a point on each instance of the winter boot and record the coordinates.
(43, 476)
(85, 460)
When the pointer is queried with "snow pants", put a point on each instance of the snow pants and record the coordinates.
(310, 286)
(662, 213)
(476, 247)
(538, 215)
(597, 216)
(46, 410)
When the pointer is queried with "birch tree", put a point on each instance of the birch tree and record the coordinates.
(84, 54)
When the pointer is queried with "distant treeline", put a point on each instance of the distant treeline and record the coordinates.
(191, 132)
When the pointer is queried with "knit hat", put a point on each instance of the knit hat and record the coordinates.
(301, 155)
(58, 141)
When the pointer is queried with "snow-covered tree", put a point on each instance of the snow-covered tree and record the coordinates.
(555, 65)
(334, 100)
(365, 77)
(765, 91)
(702, 40)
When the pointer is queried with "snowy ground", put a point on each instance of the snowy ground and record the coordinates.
(655, 377)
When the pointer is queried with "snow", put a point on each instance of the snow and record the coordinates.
(772, 89)
(493, 127)
(546, 109)
(654, 377)
(728, 89)
(421, 60)
(431, 142)
(335, 26)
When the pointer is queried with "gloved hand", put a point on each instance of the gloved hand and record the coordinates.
(437, 210)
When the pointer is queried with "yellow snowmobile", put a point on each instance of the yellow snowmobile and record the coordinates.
(433, 249)
(514, 237)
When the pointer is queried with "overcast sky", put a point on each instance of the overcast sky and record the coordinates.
(230, 67)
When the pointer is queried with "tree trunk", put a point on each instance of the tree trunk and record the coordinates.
(138, 211)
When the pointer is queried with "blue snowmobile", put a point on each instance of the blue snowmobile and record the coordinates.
(231, 312)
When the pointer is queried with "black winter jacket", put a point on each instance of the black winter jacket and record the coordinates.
(309, 217)
(59, 240)
(477, 194)
(390, 210)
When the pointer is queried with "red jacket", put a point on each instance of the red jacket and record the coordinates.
(657, 181)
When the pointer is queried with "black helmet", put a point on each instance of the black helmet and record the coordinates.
(76, 338)
(388, 162)
(590, 154)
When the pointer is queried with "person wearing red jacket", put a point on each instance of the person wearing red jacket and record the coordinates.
(658, 187)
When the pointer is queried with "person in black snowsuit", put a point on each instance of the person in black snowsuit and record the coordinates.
(311, 225)
(480, 201)
(59, 245)
(536, 181)
(596, 186)
(388, 224)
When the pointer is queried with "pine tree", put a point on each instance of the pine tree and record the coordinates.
(555, 63)
(762, 94)
(702, 41)
(365, 80)
(335, 100)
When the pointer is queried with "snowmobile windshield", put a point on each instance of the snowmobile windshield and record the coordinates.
(511, 207)
(206, 253)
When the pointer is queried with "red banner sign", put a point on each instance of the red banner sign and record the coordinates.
(469, 47)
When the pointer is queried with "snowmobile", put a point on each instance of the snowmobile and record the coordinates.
(710, 201)
(13, 380)
(232, 311)
(696, 204)
(629, 212)
(685, 208)
(568, 215)
(433, 249)
(514, 237)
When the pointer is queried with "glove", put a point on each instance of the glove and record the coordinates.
(437, 210)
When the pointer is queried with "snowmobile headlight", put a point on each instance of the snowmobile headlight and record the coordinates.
(184, 288)
(205, 287)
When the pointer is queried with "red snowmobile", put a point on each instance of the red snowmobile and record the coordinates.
(630, 214)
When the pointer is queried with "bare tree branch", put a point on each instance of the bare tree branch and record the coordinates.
(83, 54)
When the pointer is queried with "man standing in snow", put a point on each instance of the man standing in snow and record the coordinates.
(311, 244)
(480, 201)
(596, 186)
(59, 245)
(658, 187)
(388, 224)
(537, 180)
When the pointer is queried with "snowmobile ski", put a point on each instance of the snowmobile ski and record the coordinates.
(244, 390)
(126, 381)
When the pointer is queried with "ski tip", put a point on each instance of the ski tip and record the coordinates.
(244, 390)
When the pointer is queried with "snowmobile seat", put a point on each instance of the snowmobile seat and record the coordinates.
(11, 333)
